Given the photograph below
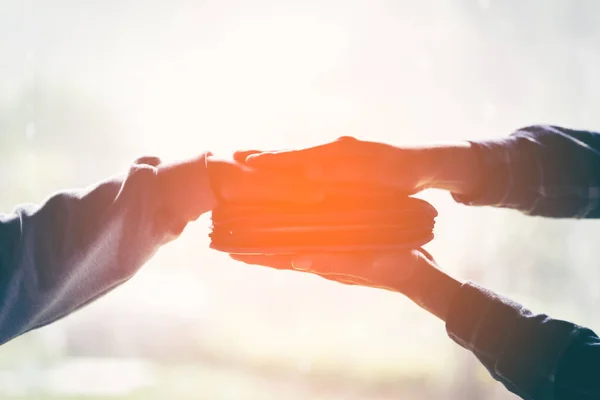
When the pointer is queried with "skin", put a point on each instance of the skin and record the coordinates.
(414, 273)
(241, 183)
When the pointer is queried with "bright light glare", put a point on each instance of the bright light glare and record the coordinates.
(257, 81)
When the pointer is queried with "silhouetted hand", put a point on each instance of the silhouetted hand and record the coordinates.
(236, 182)
(349, 160)
(196, 186)
(413, 273)
(390, 271)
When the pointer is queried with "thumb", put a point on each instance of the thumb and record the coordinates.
(241, 155)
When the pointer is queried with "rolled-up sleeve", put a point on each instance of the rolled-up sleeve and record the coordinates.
(532, 355)
(540, 170)
(58, 256)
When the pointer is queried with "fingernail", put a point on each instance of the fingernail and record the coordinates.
(302, 264)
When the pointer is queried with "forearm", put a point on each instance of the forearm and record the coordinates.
(454, 167)
(539, 170)
(78, 245)
(431, 288)
(533, 355)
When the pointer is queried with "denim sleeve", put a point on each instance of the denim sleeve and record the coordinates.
(541, 170)
(78, 245)
(532, 355)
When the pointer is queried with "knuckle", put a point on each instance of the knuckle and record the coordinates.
(346, 139)
(148, 160)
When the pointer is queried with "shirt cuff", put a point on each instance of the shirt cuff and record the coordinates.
(494, 160)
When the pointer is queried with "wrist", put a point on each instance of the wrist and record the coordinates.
(434, 290)
(453, 167)
(186, 184)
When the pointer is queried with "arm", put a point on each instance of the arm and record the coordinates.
(78, 245)
(539, 170)
(532, 355)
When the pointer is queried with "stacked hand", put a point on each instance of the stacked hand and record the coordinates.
(241, 183)
(314, 171)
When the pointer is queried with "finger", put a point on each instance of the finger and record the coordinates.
(368, 170)
(388, 269)
(346, 279)
(282, 262)
(363, 169)
(426, 254)
(354, 281)
(260, 186)
(240, 156)
(292, 158)
(349, 264)
(239, 183)
(340, 279)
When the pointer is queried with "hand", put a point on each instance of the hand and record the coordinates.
(194, 186)
(235, 182)
(349, 160)
(413, 273)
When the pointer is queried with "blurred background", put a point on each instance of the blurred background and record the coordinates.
(88, 86)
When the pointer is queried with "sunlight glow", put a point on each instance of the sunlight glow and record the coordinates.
(261, 74)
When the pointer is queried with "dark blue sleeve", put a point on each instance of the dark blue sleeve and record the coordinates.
(578, 373)
(78, 245)
(541, 170)
(532, 355)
